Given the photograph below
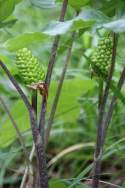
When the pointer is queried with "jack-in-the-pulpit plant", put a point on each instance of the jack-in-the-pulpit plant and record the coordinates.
(30, 70)
(102, 56)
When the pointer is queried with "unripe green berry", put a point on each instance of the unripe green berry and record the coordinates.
(101, 58)
(29, 67)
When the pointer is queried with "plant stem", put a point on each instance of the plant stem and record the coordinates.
(40, 154)
(50, 69)
(47, 82)
(34, 101)
(108, 116)
(100, 92)
(34, 106)
(49, 72)
(16, 128)
(58, 91)
(55, 45)
(100, 134)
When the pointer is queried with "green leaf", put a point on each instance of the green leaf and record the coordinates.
(78, 4)
(117, 26)
(24, 40)
(93, 14)
(9, 23)
(68, 108)
(44, 4)
(117, 93)
(58, 28)
(17, 1)
(6, 127)
(109, 151)
(87, 18)
(57, 184)
(81, 175)
(6, 8)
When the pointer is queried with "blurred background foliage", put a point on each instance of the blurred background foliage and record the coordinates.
(75, 121)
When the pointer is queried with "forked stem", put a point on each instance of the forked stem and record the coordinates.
(40, 153)
(58, 91)
(100, 133)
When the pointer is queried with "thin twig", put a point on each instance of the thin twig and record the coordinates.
(58, 91)
(34, 106)
(69, 150)
(104, 182)
(26, 169)
(40, 153)
(107, 118)
(98, 149)
(50, 69)
(55, 45)
(16, 128)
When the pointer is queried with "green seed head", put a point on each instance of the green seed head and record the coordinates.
(30, 70)
(101, 58)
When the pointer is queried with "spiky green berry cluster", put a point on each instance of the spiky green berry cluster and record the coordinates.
(101, 58)
(29, 67)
